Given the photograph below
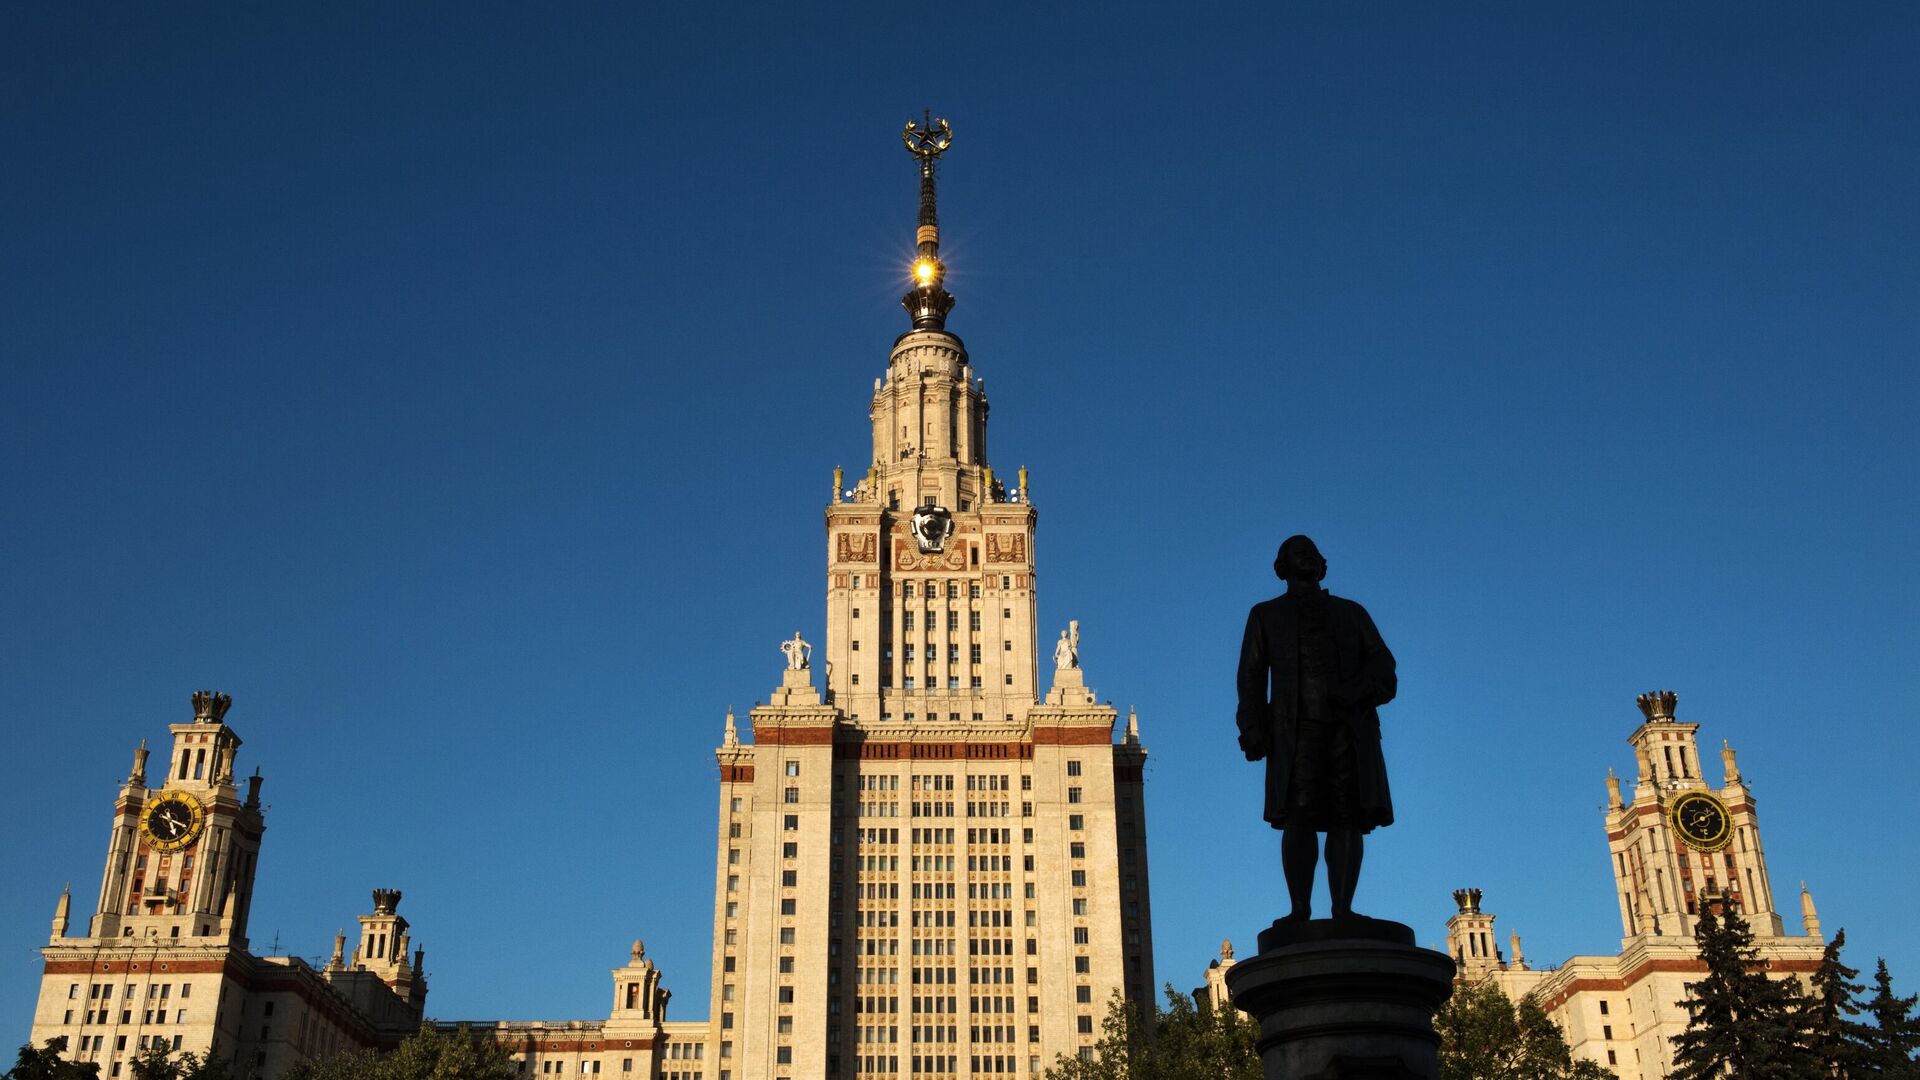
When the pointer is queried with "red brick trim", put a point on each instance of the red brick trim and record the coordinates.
(794, 736)
(1073, 736)
(933, 751)
(1689, 966)
(123, 967)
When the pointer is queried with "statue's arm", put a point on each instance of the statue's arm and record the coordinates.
(1253, 716)
(1378, 682)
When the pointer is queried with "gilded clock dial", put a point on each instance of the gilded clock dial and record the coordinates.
(172, 821)
(1701, 821)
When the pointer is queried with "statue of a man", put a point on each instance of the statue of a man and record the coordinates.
(796, 651)
(1313, 671)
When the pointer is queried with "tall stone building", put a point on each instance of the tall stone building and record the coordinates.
(931, 849)
(1675, 844)
(926, 866)
(164, 959)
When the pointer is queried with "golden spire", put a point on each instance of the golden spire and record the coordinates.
(928, 301)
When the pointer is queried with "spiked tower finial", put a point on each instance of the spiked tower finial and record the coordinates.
(928, 301)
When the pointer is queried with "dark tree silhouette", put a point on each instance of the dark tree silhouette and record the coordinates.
(1741, 1025)
(1189, 1041)
(1894, 1038)
(431, 1054)
(1837, 1041)
(1485, 1035)
(47, 1064)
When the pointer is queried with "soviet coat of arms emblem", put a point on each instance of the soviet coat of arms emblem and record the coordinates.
(931, 526)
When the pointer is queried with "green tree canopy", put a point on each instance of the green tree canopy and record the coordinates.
(1189, 1041)
(1894, 1039)
(432, 1054)
(47, 1064)
(1741, 1025)
(1837, 1042)
(155, 1064)
(1485, 1035)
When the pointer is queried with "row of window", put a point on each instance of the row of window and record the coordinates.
(148, 1016)
(1075, 822)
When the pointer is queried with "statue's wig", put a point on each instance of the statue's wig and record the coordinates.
(1287, 547)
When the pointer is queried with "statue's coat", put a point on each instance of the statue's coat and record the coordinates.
(1363, 680)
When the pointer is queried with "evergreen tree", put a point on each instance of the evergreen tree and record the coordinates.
(48, 1064)
(1837, 1042)
(1741, 1025)
(1484, 1035)
(1895, 1037)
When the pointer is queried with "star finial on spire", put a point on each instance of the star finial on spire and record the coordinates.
(929, 301)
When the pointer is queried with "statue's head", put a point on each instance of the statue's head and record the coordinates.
(1299, 560)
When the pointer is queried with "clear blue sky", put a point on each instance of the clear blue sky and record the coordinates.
(458, 387)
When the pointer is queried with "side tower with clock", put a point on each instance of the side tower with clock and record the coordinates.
(163, 958)
(1680, 840)
(181, 854)
(1676, 844)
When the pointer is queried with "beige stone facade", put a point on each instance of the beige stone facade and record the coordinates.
(1623, 1010)
(925, 868)
(164, 957)
(931, 846)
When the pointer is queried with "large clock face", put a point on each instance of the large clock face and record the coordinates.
(172, 821)
(1702, 821)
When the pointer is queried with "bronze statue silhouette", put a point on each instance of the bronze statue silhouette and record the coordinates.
(1313, 672)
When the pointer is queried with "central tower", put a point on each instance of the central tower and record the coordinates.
(925, 867)
(930, 592)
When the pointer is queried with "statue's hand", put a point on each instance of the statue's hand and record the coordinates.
(1253, 744)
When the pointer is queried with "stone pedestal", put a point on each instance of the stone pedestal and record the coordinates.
(1344, 1000)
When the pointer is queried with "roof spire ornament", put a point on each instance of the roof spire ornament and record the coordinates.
(928, 302)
